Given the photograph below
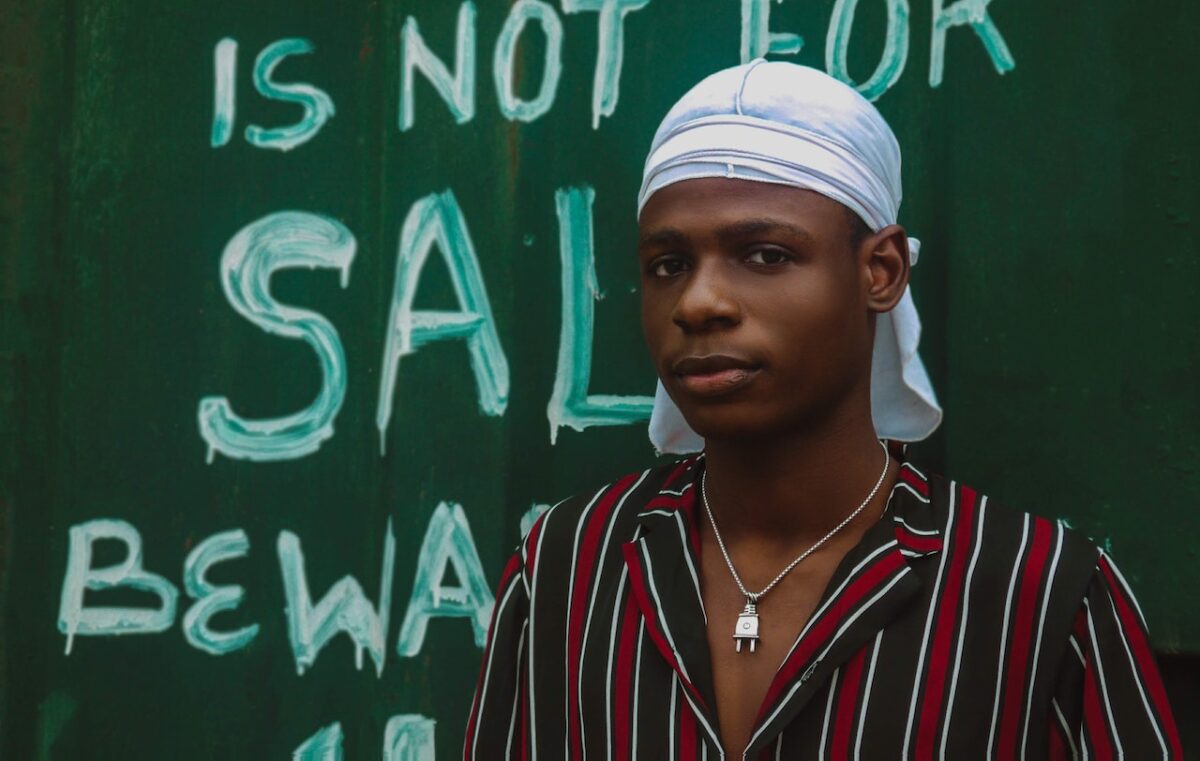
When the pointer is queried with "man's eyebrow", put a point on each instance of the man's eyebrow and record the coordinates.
(665, 237)
(749, 227)
(672, 237)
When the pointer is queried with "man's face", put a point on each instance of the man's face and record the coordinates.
(755, 305)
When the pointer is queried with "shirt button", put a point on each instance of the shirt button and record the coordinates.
(808, 672)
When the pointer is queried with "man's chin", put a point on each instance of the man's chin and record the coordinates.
(729, 423)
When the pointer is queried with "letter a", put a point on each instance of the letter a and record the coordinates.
(447, 542)
(437, 219)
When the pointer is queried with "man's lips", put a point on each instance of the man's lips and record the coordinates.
(713, 374)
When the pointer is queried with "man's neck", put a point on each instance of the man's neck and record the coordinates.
(789, 491)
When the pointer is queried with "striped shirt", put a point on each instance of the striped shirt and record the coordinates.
(954, 629)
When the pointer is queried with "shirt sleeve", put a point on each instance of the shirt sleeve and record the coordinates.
(496, 725)
(1109, 699)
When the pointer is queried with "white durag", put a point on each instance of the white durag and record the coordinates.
(793, 125)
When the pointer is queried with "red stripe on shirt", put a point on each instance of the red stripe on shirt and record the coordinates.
(868, 582)
(637, 579)
(585, 561)
(1022, 636)
(506, 576)
(673, 501)
(910, 477)
(847, 705)
(1057, 747)
(683, 465)
(1094, 724)
(510, 568)
(623, 679)
(687, 733)
(1147, 668)
(1095, 728)
(531, 543)
(942, 646)
(669, 501)
(917, 542)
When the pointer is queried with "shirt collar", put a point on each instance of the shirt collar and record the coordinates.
(870, 587)
(917, 530)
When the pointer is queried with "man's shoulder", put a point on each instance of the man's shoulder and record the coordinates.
(997, 539)
(611, 510)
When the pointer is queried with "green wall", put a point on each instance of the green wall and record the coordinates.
(140, 220)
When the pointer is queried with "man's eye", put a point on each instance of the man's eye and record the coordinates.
(767, 256)
(668, 266)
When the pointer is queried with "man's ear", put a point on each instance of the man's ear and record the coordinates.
(884, 256)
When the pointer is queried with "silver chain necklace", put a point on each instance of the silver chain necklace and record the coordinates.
(746, 628)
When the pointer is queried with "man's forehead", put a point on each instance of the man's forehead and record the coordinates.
(733, 192)
(736, 208)
(732, 229)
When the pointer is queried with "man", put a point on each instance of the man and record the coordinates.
(799, 589)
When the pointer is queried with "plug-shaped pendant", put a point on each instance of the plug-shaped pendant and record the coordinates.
(746, 628)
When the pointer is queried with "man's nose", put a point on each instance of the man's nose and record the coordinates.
(707, 301)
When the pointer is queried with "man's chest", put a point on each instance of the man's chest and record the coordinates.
(748, 646)
(657, 671)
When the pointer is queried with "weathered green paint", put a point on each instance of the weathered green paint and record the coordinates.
(1057, 202)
